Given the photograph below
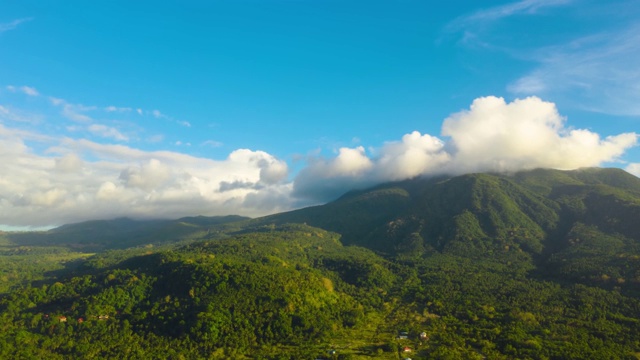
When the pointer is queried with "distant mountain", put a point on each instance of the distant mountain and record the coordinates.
(122, 233)
(581, 223)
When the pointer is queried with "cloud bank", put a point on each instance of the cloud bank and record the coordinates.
(51, 180)
(62, 186)
(492, 135)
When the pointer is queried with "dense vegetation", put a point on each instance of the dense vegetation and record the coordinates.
(536, 265)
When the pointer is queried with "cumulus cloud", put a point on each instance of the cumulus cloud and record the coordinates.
(524, 134)
(77, 179)
(68, 163)
(414, 155)
(492, 135)
(327, 178)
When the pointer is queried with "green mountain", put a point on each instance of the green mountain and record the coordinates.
(121, 233)
(542, 264)
(547, 214)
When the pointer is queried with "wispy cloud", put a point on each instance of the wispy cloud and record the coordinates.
(29, 91)
(212, 143)
(9, 114)
(117, 109)
(13, 24)
(523, 7)
(157, 114)
(102, 121)
(107, 132)
(23, 89)
(75, 179)
(600, 71)
(594, 71)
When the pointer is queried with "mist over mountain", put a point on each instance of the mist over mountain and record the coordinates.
(530, 210)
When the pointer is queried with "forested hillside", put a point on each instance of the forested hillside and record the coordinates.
(542, 264)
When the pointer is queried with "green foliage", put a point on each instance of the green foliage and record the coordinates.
(536, 265)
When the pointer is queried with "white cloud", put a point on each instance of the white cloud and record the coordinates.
(156, 138)
(29, 91)
(492, 135)
(13, 24)
(272, 171)
(634, 169)
(327, 178)
(527, 133)
(414, 155)
(106, 131)
(23, 89)
(69, 163)
(9, 114)
(184, 123)
(212, 143)
(79, 179)
(147, 176)
(76, 180)
(73, 112)
(112, 108)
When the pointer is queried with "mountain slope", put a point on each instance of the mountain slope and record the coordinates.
(540, 214)
(532, 265)
(121, 233)
(529, 210)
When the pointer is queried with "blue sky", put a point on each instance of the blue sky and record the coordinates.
(148, 109)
